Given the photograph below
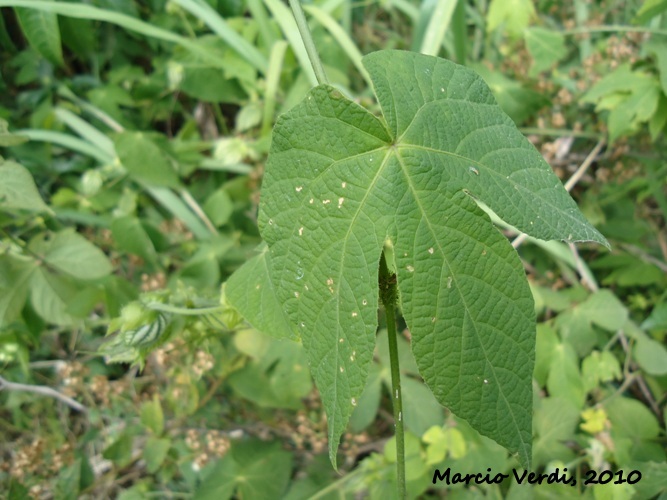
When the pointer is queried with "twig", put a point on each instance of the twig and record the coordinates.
(194, 206)
(572, 181)
(645, 256)
(44, 391)
(648, 396)
(588, 283)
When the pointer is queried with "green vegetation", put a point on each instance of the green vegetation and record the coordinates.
(134, 139)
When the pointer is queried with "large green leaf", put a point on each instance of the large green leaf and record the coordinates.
(341, 184)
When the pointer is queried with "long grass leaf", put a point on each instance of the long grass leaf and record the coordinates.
(86, 130)
(266, 30)
(89, 108)
(437, 26)
(82, 11)
(408, 9)
(460, 30)
(285, 20)
(206, 14)
(70, 142)
(341, 37)
(168, 199)
(272, 84)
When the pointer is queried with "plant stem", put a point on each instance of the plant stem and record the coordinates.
(184, 311)
(307, 38)
(388, 295)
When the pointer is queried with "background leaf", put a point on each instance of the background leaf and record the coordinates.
(546, 47)
(144, 160)
(73, 254)
(18, 189)
(42, 31)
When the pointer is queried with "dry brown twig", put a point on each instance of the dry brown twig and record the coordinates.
(44, 391)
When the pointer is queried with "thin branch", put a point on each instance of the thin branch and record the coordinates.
(586, 279)
(194, 206)
(645, 256)
(572, 181)
(44, 391)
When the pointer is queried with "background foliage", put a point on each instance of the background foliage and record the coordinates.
(128, 192)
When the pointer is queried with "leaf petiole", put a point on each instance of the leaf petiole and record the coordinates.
(388, 296)
(307, 38)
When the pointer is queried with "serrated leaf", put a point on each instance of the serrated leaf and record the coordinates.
(340, 184)
(631, 96)
(71, 253)
(18, 189)
(546, 47)
(42, 31)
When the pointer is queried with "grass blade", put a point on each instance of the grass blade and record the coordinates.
(86, 130)
(82, 11)
(70, 142)
(285, 20)
(266, 30)
(341, 37)
(168, 199)
(272, 84)
(460, 31)
(206, 14)
(437, 26)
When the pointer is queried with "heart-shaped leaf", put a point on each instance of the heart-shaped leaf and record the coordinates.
(341, 185)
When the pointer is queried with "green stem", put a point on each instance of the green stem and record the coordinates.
(308, 42)
(388, 295)
(184, 311)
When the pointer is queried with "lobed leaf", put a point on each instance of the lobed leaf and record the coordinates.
(341, 185)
